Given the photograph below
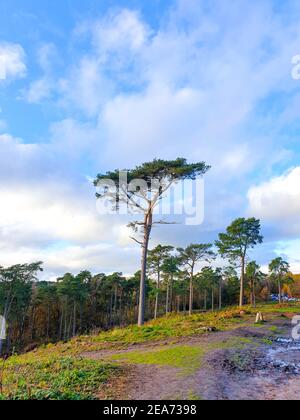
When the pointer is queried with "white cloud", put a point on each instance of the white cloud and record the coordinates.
(48, 215)
(49, 212)
(74, 258)
(39, 90)
(121, 31)
(277, 199)
(47, 55)
(190, 87)
(3, 125)
(156, 122)
(12, 61)
(290, 250)
(17, 158)
(86, 88)
(44, 87)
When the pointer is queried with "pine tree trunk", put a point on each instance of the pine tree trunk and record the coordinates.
(66, 324)
(191, 292)
(74, 319)
(157, 295)
(254, 297)
(116, 299)
(171, 294)
(212, 300)
(279, 291)
(147, 231)
(242, 282)
(48, 322)
(61, 323)
(178, 304)
(167, 300)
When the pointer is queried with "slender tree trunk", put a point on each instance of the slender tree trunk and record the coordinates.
(74, 319)
(9, 337)
(157, 295)
(61, 322)
(191, 292)
(279, 291)
(48, 322)
(254, 297)
(80, 318)
(111, 310)
(32, 334)
(147, 231)
(242, 282)
(66, 323)
(70, 325)
(251, 293)
(167, 300)
(212, 300)
(220, 296)
(205, 300)
(171, 294)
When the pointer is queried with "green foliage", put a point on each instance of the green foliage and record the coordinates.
(62, 378)
(210, 278)
(280, 271)
(160, 170)
(195, 252)
(157, 256)
(241, 235)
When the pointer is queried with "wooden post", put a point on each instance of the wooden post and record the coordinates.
(259, 318)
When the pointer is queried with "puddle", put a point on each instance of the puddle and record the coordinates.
(267, 373)
(286, 357)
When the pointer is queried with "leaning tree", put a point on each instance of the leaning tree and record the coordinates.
(141, 189)
(242, 235)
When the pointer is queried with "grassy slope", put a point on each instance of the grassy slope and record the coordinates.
(59, 372)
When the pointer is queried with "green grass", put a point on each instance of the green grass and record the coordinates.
(188, 358)
(266, 341)
(56, 371)
(175, 325)
(292, 308)
(54, 379)
(170, 327)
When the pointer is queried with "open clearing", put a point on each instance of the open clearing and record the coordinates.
(174, 357)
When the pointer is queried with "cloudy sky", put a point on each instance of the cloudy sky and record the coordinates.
(89, 86)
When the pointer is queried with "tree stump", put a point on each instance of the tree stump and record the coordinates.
(259, 318)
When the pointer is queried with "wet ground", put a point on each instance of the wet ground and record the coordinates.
(266, 369)
(265, 373)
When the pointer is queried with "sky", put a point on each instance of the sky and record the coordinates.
(91, 86)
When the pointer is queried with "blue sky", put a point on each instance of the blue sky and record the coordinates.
(95, 85)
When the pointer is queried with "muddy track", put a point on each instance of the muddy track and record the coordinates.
(269, 371)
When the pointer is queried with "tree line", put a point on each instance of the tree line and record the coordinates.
(177, 280)
(169, 279)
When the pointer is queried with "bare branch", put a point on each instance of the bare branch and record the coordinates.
(135, 240)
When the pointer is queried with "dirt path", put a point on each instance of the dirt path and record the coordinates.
(250, 372)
